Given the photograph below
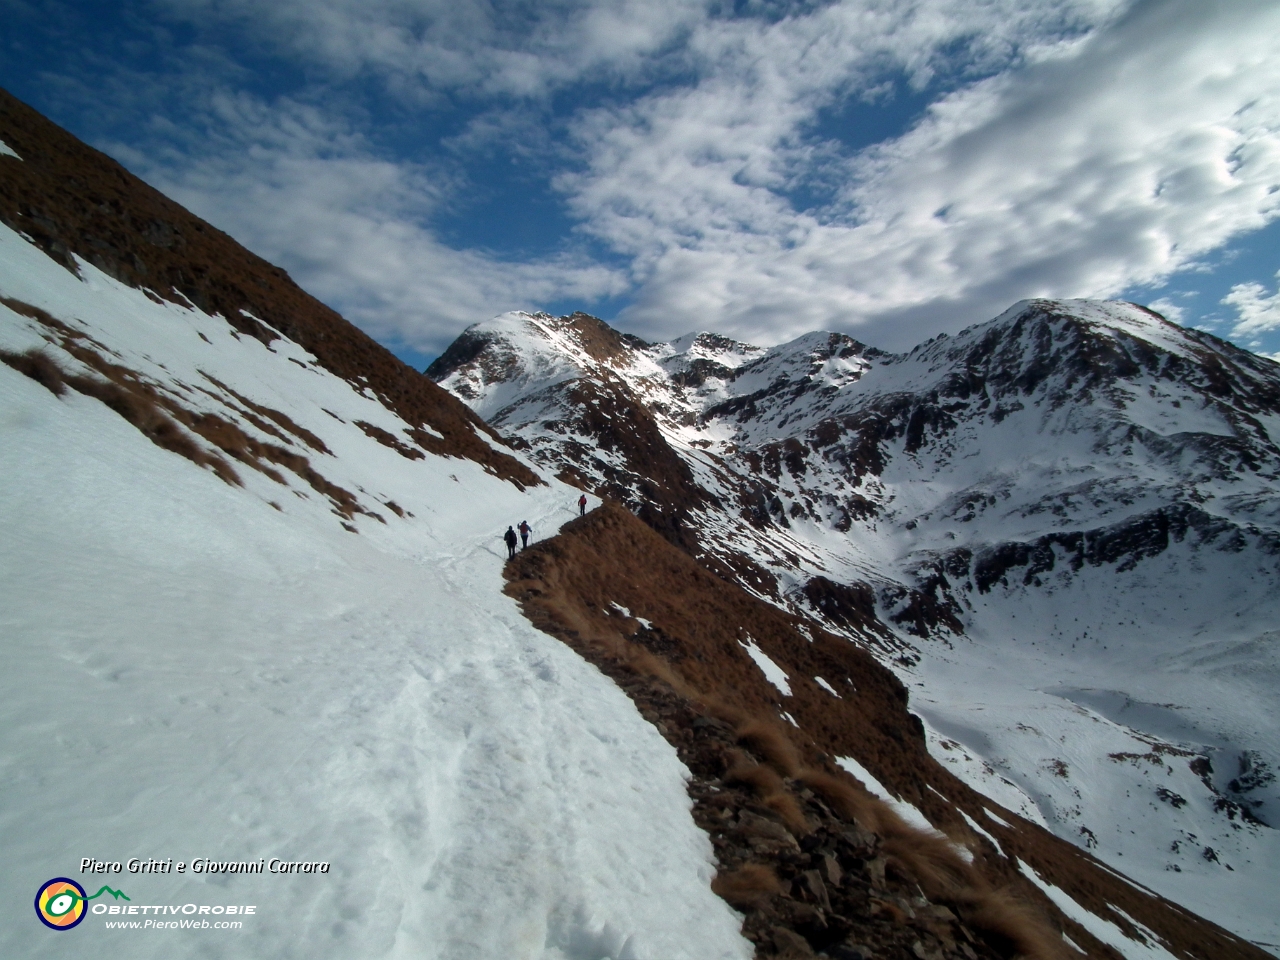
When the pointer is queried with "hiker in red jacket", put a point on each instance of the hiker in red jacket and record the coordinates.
(582, 505)
(525, 530)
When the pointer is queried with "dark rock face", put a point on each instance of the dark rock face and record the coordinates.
(1123, 544)
(462, 351)
(618, 442)
(851, 605)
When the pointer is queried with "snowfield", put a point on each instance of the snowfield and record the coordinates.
(199, 670)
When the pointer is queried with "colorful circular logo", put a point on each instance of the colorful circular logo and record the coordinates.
(60, 904)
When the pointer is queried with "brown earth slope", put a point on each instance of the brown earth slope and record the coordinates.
(813, 861)
(71, 199)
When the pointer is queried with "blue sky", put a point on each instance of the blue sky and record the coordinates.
(759, 168)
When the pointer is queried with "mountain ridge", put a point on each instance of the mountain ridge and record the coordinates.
(1082, 462)
(72, 200)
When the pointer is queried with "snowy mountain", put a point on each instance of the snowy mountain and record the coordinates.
(258, 611)
(1058, 527)
(252, 604)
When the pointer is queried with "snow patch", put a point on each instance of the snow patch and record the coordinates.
(1104, 930)
(907, 811)
(630, 616)
(973, 824)
(772, 672)
(827, 687)
(996, 819)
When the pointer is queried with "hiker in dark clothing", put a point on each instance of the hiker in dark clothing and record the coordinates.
(510, 537)
(525, 530)
(582, 505)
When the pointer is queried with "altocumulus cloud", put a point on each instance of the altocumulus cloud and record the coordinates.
(709, 166)
(422, 48)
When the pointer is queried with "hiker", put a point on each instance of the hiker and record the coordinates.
(510, 537)
(582, 505)
(525, 530)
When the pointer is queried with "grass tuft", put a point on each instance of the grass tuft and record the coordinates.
(772, 745)
(772, 791)
(748, 887)
(40, 367)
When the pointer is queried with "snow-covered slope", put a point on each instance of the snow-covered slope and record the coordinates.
(289, 641)
(1065, 519)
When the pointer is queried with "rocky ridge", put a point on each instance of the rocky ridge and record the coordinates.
(817, 864)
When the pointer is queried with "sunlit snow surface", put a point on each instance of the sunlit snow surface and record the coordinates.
(1098, 748)
(190, 672)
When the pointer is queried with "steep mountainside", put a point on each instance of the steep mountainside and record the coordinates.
(251, 587)
(1060, 527)
(934, 870)
(76, 204)
(252, 580)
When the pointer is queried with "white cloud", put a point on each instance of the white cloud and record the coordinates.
(476, 47)
(1257, 312)
(1095, 166)
(1168, 309)
(303, 190)
(1086, 146)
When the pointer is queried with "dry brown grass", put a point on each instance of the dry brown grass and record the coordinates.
(138, 407)
(566, 585)
(71, 199)
(768, 742)
(933, 862)
(166, 423)
(750, 886)
(389, 440)
(40, 367)
(283, 420)
(844, 797)
(1021, 923)
(772, 791)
